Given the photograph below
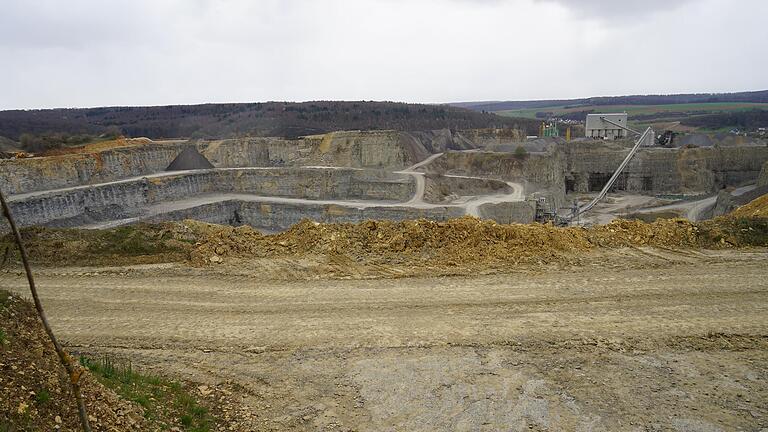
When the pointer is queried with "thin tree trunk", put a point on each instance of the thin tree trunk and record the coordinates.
(66, 360)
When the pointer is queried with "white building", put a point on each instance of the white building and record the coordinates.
(604, 126)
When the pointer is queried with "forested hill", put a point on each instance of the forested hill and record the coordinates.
(259, 119)
(753, 96)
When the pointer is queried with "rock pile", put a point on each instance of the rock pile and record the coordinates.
(467, 241)
(441, 243)
(757, 208)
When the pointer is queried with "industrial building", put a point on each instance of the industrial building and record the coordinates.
(606, 126)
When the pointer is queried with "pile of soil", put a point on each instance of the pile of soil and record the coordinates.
(758, 208)
(36, 395)
(463, 242)
(467, 240)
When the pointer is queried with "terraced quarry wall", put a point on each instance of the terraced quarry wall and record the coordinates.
(272, 183)
(661, 170)
(541, 169)
(359, 149)
(540, 172)
(35, 174)
(268, 183)
(494, 137)
(133, 198)
(441, 188)
(377, 149)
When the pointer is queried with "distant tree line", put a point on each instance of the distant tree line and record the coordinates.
(744, 120)
(751, 97)
(283, 119)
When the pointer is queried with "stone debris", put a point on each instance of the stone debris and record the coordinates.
(466, 241)
(757, 208)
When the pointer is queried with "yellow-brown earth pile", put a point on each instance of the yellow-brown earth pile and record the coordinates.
(756, 208)
(466, 240)
(459, 242)
(455, 241)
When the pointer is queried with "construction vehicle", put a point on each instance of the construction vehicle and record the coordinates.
(666, 139)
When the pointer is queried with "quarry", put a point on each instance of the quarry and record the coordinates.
(384, 216)
(272, 183)
(389, 280)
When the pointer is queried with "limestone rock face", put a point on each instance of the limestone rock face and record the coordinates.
(357, 149)
(141, 197)
(663, 170)
(45, 173)
(762, 179)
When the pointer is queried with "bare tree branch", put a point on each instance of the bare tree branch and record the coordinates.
(73, 371)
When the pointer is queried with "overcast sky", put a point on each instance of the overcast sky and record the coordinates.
(79, 53)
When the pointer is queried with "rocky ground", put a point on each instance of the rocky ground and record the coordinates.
(416, 325)
(629, 339)
(36, 394)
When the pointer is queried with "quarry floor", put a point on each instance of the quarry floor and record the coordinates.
(639, 340)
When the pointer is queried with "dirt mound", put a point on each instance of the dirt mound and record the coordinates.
(469, 241)
(219, 241)
(661, 233)
(36, 395)
(463, 240)
(466, 243)
(757, 208)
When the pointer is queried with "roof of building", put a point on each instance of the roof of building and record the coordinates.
(594, 121)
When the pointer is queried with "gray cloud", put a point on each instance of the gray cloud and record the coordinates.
(131, 52)
(606, 9)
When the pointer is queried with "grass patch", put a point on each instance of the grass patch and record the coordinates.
(129, 241)
(166, 403)
(42, 396)
(3, 338)
(134, 244)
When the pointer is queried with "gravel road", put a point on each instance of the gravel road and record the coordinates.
(669, 341)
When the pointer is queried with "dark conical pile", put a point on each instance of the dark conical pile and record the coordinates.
(189, 159)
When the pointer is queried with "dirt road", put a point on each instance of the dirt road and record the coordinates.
(650, 340)
(693, 209)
